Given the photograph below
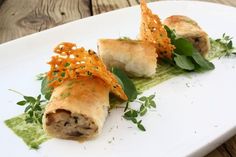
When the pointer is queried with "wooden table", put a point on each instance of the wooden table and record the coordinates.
(22, 17)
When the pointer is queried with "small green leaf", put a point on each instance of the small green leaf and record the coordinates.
(39, 97)
(143, 110)
(184, 62)
(143, 98)
(170, 33)
(127, 84)
(230, 45)
(183, 47)
(21, 103)
(141, 127)
(153, 104)
(134, 120)
(202, 62)
(30, 99)
(151, 97)
(131, 113)
(27, 108)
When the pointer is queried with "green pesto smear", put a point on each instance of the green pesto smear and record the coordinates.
(33, 134)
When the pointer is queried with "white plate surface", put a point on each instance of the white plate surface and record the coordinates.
(194, 115)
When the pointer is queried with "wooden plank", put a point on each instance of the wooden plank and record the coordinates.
(230, 145)
(219, 152)
(1, 1)
(101, 6)
(22, 18)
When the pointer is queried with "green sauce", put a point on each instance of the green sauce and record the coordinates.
(33, 134)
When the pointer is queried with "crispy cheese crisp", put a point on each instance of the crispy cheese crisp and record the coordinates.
(72, 62)
(152, 30)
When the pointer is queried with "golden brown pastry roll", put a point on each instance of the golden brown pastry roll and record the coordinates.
(187, 28)
(137, 58)
(77, 109)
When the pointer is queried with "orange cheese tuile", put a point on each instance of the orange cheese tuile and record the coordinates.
(152, 30)
(72, 63)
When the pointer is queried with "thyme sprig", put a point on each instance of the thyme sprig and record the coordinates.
(34, 108)
(227, 43)
(135, 115)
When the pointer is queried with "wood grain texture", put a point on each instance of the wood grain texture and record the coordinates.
(22, 17)
(19, 18)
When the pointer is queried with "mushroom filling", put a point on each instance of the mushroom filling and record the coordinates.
(70, 126)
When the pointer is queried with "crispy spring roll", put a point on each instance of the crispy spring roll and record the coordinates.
(187, 28)
(77, 109)
(137, 58)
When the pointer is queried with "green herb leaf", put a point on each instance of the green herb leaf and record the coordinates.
(151, 97)
(153, 104)
(184, 62)
(141, 127)
(202, 62)
(186, 56)
(183, 47)
(133, 115)
(227, 43)
(34, 109)
(143, 98)
(30, 99)
(21, 103)
(143, 110)
(127, 84)
(170, 33)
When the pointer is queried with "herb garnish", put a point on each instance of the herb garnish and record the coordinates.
(186, 56)
(227, 43)
(34, 108)
(127, 84)
(133, 115)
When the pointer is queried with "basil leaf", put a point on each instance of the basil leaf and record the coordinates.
(127, 84)
(183, 47)
(184, 62)
(202, 62)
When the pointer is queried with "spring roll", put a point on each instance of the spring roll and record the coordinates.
(77, 109)
(187, 28)
(137, 58)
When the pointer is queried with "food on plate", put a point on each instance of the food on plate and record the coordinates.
(186, 27)
(80, 99)
(76, 89)
(77, 109)
(137, 58)
(153, 31)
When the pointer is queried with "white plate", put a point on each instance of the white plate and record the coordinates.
(194, 115)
